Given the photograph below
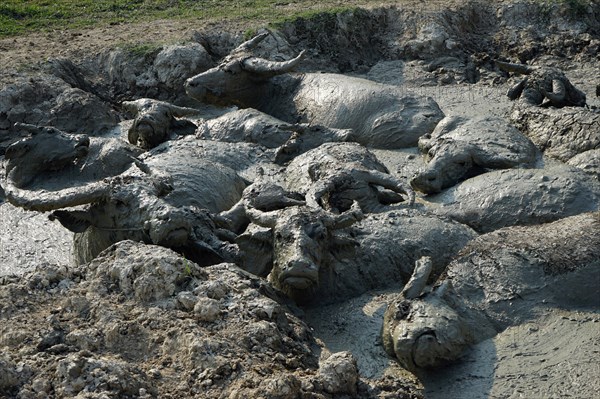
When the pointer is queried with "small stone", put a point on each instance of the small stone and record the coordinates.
(186, 300)
(339, 374)
(207, 309)
(154, 373)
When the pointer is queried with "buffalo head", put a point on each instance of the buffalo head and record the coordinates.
(448, 162)
(301, 238)
(543, 86)
(306, 137)
(47, 149)
(423, 330)
(237, 76)
(155, 120)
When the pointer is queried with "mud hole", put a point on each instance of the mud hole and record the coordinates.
(94, 332)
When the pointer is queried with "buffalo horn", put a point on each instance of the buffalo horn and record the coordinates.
(558, 91)
(43, 201)
(263, 219)
(32, 129)
(346, 219)
(252, 43)
(515, 68)
(414, 287)
(178, 112)
(264, 67)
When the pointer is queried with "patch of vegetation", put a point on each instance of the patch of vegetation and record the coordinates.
(142, 49)
(25, 16)
(249, 33)
(311, 14)
(187, 269)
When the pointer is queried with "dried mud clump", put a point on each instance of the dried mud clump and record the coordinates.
(560, 133)
(140, 321)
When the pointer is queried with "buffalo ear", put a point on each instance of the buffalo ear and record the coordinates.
(257, 249)
(75, 221)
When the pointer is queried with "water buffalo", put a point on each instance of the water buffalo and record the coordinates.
(252, 126)
(51, 158)
(500, 279)
(511, 197)
(463, 147)
(315, 256)
(332, 176)
(167, 197)
(543, 86)
(380, 115)
(155, 121)
(335, 175)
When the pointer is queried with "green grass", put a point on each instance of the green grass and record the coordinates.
(18, 17)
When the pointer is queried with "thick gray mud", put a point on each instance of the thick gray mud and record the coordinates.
(29, 239)
(555, 355)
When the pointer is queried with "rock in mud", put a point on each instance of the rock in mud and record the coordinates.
(339, 373)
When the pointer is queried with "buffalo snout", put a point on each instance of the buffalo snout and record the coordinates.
(427, 181)
(299, 274)
(209, 82)
(194, 88)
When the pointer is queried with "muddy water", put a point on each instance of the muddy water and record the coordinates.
(28, 239)
(555, 356)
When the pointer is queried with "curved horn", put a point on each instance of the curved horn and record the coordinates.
(34, 129)
(146, 103)
(133, 135)
(252, 43)
(264, 67)
(515, 92)
(263, 219)
(558, 92)
(388, 181)
(29, 128)
(181, 111)
(414, 287)
(49, 200)
(516, 68)
(345, 219)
